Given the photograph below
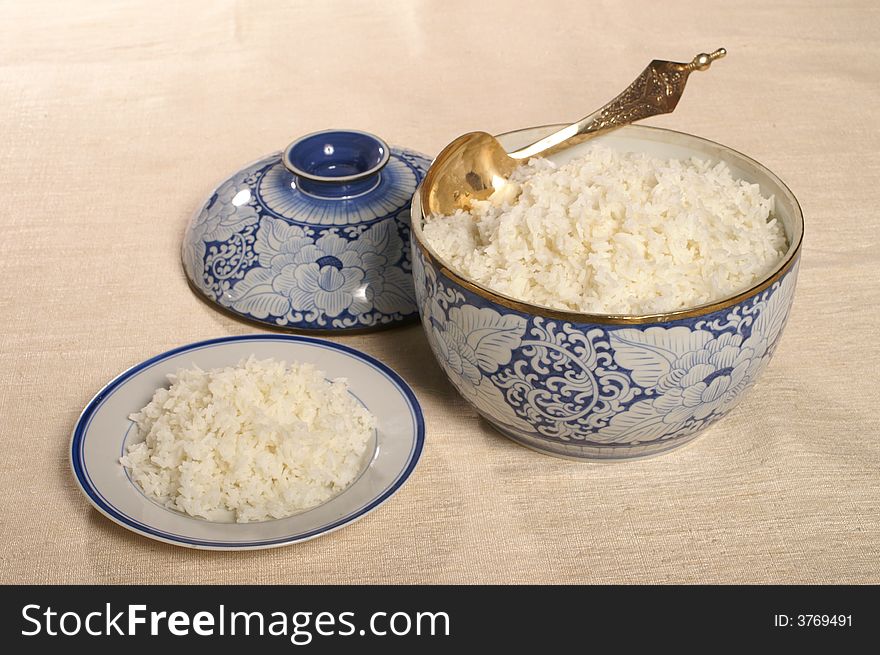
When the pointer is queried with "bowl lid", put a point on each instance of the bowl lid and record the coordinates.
(313, 238)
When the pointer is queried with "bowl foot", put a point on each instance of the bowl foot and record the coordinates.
(602, 453)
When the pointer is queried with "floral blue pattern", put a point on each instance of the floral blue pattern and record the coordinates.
(598, 391)
(265, 250)
(303, 278)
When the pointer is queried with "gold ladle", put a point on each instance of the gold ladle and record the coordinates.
(475, 165)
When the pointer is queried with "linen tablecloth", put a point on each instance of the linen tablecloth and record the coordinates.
(118, 118)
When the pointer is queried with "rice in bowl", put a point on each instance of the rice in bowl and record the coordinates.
(258, 441)
(616, 233)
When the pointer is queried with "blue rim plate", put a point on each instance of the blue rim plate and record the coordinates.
(103, 427)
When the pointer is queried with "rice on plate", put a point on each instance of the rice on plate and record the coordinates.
(614, 233)
(258, 441)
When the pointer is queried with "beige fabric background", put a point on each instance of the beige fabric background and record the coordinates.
(117, 118)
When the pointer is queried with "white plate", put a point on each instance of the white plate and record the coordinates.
(102, 429)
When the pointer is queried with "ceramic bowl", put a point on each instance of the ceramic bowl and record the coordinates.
(311, 239)
(608, 387)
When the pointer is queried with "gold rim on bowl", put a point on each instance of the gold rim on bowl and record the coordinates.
(780, 270)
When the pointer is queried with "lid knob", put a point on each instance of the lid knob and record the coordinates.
(336, 164)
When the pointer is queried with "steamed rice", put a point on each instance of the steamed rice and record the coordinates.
(615, 233)
(253, 442)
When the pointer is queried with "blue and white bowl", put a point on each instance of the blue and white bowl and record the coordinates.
(314, 238)
(588, 386)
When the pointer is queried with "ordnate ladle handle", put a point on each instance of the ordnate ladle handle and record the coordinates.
(656, 91)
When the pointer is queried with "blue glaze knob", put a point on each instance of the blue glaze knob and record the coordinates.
(337, 163)
(313, 238)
